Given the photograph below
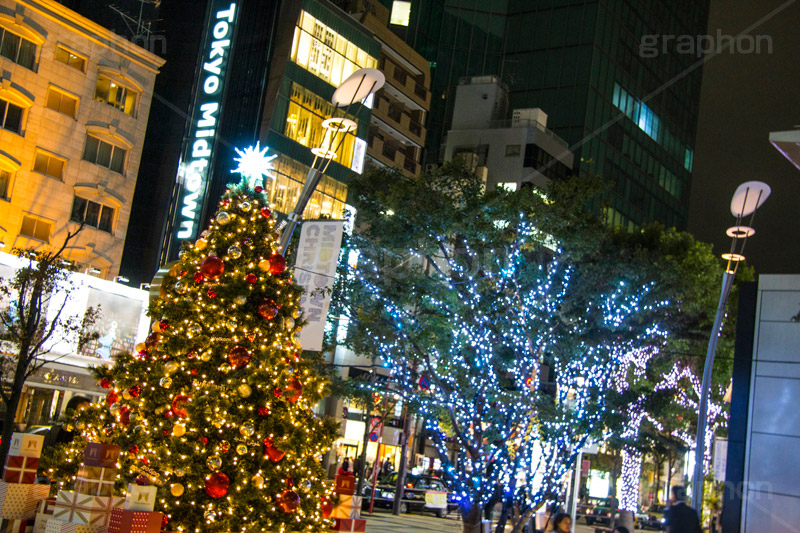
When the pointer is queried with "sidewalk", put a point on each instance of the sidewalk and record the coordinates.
(385, 522)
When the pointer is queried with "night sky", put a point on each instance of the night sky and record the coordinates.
(744, 97)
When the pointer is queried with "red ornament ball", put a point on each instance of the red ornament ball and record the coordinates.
(194, 371)
(125, 415)
(274, 454)
(143, 355)
(327, 507)
(212, 267)
(178, 403)
(203, 440)
(134, 449)
(164, 521)
(142, 481)
(238, 357)
(166, 433)
(268, 442)
(277, 263)
(135, 391)
(105, 383)
(198, 277)
(294, 390)
(263, 411)
(288, 500)
(212, 293)
(267, 309)
(265, 212)
(277, 392)
(152, 340)
(251, 278)
(112, 397)
(164, 325)
(258, 188)
(217, 485)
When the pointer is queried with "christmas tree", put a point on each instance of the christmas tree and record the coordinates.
(216, 406)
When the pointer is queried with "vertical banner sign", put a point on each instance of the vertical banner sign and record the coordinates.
(198, 145)
(315, 267)
(720, 458)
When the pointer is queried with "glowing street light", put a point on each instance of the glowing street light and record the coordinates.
(356, 88)
(746, 200)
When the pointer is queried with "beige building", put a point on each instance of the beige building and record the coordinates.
(397, 125)
(74, 102)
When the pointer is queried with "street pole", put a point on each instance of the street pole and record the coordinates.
(399, 488)
(573, 511)
(312, 180)
(362, 470)
(699, 452)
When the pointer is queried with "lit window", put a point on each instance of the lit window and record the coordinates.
(49, 165)
(61, 102)
(325, 53)
(115, 95)
(10, 116)
(688, 160)
(5, 183)
(401, 13)
(68, 58)
(104, 154)
(35, 228)
(510, 186)
(92, 214)
(19, 50)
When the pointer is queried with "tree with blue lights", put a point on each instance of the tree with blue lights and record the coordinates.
(517, 308)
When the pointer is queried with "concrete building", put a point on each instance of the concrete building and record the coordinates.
(510, 152)
(399, 110)
(74, 103)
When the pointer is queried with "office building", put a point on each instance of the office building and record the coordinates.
(74, 104)
(612, 85)
(509, 152)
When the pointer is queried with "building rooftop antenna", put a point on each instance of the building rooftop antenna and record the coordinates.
(139, 27)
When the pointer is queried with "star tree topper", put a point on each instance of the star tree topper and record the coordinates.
(254, 163)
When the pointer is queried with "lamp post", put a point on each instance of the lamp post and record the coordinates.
(358, 86)
(746, 200)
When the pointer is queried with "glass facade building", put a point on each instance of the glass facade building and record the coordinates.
(629, 113)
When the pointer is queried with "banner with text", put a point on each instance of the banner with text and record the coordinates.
(315, 268)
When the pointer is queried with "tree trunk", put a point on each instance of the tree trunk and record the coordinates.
(471, 520)
(363, 462)
(13, 402)
(615, 472)
(625, 518)
(659, 462)
(399, 488)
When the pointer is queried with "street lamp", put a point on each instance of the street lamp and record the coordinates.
(746, 200)
(358, 86)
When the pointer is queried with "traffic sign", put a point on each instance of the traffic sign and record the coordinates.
(373, 437)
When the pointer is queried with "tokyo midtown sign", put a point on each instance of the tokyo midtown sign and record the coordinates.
(198, 146)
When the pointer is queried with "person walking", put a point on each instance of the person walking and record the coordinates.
(679, 517)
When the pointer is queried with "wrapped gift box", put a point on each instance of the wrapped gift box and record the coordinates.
(26, 444)
(140, 497)
(96, 480)
(348, 507)
(126, 521)
(345, 484)
(15, 526)
(20, 469)
(104, 455)
(43, 513)
(85, 509)
(18, 501)
(344, 524)
(55, 525)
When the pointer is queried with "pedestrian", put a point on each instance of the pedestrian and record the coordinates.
(679, 517)
(620, 529)
(388, 467)
(357, 470)
(562, 523)
(344, 470)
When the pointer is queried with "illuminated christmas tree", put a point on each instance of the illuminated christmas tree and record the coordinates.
(216, 406)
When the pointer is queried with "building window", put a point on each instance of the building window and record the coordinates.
(49, 165)
(325, 53)
(115, 95)
(328, 198)
(61, 102)
(104, 154)
(19, 50)
(513, 150)
(304, 124)
(401, 13)
(68, 58)
(92, 214)
(509, 186)
(5, 184)
(35, 228)
(10, 116)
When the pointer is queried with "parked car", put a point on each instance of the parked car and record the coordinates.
(413, 495)
(599, 511)
(655, 517)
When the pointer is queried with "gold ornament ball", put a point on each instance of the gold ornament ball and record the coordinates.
(209, 516)
(241, 449)
(200, 244)
(80, 425)
(126, 395)
(263, 265)
(258, 481)
(296, 313)
(214, 462)
(217, 422)
(205, 357)
(156, 327)
(176, 489)
(140, 346)
(170, 366)
(247, 430)
(245, 390)
(180, 472)
(165, 382)
(179, 430)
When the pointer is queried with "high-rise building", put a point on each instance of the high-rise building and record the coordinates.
(608, 75)
(74, 106)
